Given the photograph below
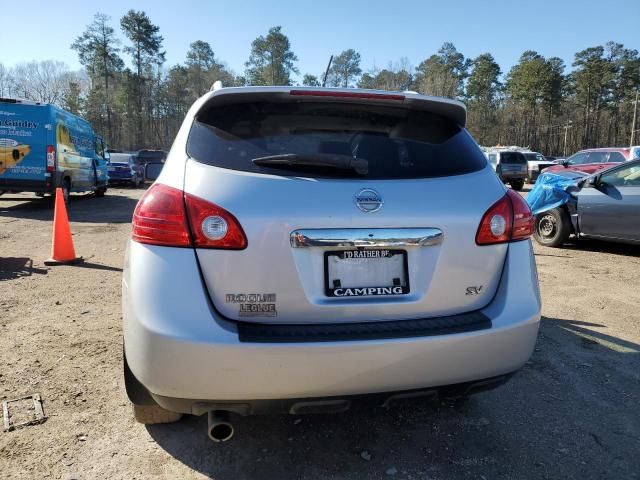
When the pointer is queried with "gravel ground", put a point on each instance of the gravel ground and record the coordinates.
(572, 412)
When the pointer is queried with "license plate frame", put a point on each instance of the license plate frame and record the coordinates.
(371, 291)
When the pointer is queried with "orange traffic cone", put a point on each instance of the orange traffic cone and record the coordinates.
(62, 251)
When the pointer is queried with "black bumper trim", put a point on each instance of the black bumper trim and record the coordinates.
(335, 332)
(320, 405)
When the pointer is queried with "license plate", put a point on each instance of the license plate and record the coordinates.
(112, 169)
(364, 273)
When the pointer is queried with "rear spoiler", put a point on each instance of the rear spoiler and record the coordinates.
(448, 108)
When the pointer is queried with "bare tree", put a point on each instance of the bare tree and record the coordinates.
(45, 81)
(6, 82)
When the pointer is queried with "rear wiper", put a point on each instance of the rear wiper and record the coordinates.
(338, 162)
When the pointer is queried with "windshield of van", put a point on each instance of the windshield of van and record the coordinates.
(392, 142)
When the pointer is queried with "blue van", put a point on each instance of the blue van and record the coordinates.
(43, 147)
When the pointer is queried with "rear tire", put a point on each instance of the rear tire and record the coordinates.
(517, 185)
(154, 414)
(552, 228)
(101, 191)
(66, 190)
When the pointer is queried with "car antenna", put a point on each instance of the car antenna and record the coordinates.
(326, 72)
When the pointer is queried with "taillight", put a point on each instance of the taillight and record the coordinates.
(212, 226)
(495, 226)
(508, 220)
(160, 219)
(51, 158)
(523, 221)
(169, 217)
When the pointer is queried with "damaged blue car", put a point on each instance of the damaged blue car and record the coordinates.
(604, 206)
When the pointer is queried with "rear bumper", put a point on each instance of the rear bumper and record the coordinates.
(180, 349)
(509, 176)
(120, 178)
(300, 406)
(45, 185)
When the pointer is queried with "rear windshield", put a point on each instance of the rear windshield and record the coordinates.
(513, 157)
(396, 142)
(150, 156)
(119, 158)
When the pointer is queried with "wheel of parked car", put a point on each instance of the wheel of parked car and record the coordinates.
(552, 228)
(101, 191)
(517, 184)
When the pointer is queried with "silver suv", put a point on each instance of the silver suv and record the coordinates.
(303, 248)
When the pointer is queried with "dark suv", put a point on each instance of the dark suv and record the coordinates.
(511, 167)
(146, 156)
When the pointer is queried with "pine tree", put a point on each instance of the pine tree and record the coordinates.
(271, 61)
(98, 50)
(345, 69)
(146, 53)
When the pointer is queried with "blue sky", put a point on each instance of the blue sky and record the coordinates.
(382, 31)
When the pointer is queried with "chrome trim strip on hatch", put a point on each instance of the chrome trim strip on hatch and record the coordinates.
(366, 237)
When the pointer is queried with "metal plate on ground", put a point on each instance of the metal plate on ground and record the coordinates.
(32, 402)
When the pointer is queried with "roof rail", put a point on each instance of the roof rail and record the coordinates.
(19, 100)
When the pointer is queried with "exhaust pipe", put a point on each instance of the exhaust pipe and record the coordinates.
(220, 429)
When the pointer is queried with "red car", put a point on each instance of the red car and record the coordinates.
(593, 160)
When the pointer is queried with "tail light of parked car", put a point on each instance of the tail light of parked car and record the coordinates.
(169, 217)
(508, 220)
(51, 158)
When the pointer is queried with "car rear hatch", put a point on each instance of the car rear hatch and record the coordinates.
(327, 241)
(119, 167)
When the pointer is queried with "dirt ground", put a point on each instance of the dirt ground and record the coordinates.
(572, 412)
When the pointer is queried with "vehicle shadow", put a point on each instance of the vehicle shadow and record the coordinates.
(112, 208)
(531, 427)
(98, 266)
(597, 246)
(16, 267)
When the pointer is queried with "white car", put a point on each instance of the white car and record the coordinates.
(536, 164)
(304, 247)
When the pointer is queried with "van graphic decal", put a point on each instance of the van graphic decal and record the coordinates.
(18, 124)
(11, 153)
